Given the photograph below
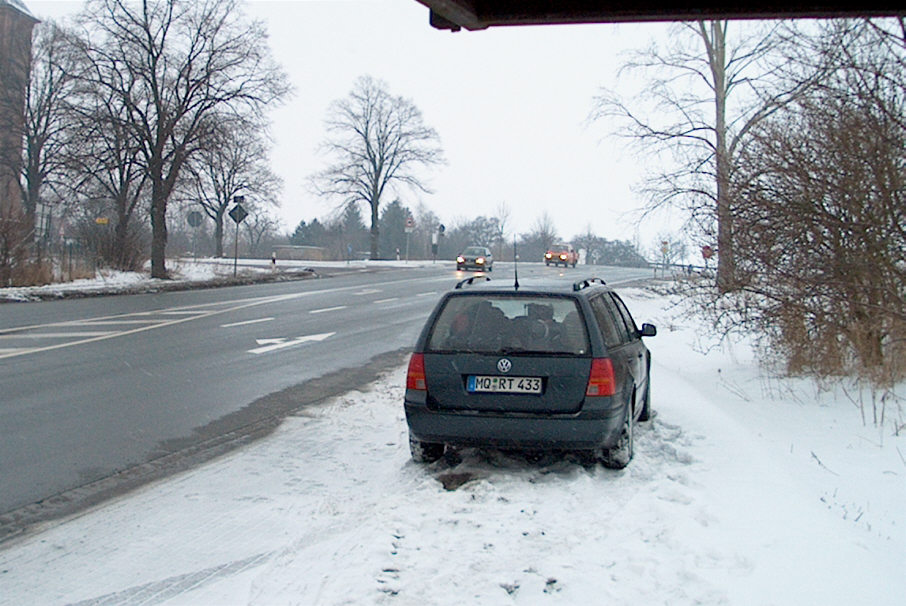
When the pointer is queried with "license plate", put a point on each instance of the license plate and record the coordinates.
(479, 383)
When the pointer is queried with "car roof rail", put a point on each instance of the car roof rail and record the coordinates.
(469, 281)
(587, 282)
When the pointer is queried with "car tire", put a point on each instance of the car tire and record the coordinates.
(490, 268)
(620, 455)
(425, 452)
(645, 414)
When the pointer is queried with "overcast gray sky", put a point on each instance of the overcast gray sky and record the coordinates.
(510, 106)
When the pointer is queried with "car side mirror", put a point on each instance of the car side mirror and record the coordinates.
(648, 330)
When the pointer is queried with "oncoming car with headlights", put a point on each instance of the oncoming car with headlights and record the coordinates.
(475, 257)
(561, 253)
(542, 366)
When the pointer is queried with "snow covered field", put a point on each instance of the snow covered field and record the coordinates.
(745, 489)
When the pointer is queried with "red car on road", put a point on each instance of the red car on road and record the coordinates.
(561, 253)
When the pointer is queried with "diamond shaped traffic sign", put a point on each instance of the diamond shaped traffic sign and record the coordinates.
(238, 214)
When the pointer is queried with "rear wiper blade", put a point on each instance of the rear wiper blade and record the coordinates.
(510, 350)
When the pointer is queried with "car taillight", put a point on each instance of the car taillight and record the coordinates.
(460, 259)
(563, 257)
(415, 378)
(601, 381)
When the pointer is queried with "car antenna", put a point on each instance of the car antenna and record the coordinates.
(515, 265)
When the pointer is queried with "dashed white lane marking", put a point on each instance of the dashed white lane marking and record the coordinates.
(258, 321)
(326, 309)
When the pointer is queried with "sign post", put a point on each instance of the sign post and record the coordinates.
(410, 227)
(237, 214)
(194, 218)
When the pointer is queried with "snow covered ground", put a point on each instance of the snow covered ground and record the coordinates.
(745, 489)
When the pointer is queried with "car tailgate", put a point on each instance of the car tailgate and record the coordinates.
(563, 380)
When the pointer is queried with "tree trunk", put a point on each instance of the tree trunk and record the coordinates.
(218, 235)
(120, 233)
(726, 269)
(158, 231)
(375, 230)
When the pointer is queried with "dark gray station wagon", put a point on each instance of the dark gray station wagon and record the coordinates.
(543, 366)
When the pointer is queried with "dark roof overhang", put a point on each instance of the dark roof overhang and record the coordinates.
(482, 14)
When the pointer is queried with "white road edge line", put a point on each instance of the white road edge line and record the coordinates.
(60, 335)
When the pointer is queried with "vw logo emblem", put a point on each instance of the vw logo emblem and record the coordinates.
(504, 365)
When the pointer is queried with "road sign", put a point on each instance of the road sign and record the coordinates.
(707, 252)
(194, 218)
(102, 220)
(238, 214)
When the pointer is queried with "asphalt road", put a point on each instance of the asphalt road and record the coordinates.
(98, 395)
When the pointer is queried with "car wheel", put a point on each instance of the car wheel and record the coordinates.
(425, 452)
(490, 268)
(619, 456)
(645, 415)
(459, 268)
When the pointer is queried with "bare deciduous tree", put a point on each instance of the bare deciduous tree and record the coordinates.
(376, 141)
(48, 114)
(543, 234)
(172, 64)
(105, 163)
(260, 229)
(821, 210)
(234, 160)
(694, 120)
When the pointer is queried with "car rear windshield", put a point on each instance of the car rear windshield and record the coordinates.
(508, 324)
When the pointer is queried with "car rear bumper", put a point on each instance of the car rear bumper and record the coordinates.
(473, 265)
(598, 425)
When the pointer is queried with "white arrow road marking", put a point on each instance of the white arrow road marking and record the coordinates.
(281, 342)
